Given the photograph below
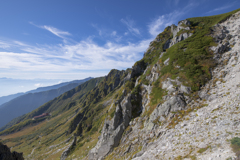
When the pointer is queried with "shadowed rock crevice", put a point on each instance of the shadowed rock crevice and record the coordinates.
(5, 154)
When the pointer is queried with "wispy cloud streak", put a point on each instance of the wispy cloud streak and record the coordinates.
(56, 31)
(130, 25)
(222, 8)
(53, 30)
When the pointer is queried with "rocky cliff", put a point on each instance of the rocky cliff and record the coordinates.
(5, 154)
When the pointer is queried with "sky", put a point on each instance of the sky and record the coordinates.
(60, 40)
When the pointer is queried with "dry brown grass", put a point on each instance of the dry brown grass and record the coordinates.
(23, 132)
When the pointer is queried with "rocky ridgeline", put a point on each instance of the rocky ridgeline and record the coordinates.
(113, 129)
(205, 132)
(209, 123)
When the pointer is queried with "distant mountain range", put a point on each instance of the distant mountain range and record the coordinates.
(5, 99)
(23, 103)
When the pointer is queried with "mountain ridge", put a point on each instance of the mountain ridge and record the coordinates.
(30, 101)
(7, 98)
(153, 110)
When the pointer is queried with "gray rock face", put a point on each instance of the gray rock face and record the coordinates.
(174, 30)
(175, 103)
(175, 86)
(182, 25)
(166, 62)
(179, 38)
(154, 73)
(167, 44)
(68, 150)
(145, 93)
(112, 130)
(5, 154)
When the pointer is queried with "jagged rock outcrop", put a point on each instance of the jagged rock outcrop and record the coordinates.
(182, 25)
(179, 33)
(153, 76)
(113, 129)
(68, 150)
(173, 104)
(5, 154)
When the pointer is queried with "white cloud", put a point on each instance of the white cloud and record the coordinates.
(130, 25)
(4, 45)
(53, 30)
(61, 81)
(222, 8)
(20, 43)
(158, 24)
(56, 31)
(38, 85)
(86, 57)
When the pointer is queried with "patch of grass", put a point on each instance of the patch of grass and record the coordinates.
(201, 150)
(235, 144)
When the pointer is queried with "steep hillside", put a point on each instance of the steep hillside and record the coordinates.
(55, 106)
(28, 102)
(67, 115)
(179, 102)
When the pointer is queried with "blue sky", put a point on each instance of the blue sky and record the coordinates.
(75, 39)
